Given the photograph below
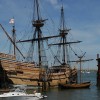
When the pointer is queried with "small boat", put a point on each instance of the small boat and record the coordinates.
(82, 71)
(22, 95)
(88, 72)
(76, 85)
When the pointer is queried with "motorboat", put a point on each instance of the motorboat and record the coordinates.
(21, 94)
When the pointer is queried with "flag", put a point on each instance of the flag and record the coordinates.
(11, 21)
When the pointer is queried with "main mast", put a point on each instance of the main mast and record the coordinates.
(38, 23)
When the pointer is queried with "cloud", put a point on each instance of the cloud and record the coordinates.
(54, 2)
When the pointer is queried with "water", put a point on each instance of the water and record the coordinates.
(74, 94)
(93, 93)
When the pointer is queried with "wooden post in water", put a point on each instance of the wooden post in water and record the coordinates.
(44, 86)
(45, 83)
(44, 80)
(98, 71)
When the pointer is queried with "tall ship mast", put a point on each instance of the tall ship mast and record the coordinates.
(14, 38)
(39, 74)
(63, 44)
(62, 56)
(37, 24)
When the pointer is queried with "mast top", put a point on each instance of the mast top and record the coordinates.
(63, 30)
(37, 19)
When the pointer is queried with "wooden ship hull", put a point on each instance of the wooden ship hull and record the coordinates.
(22, 73)
(76, 85)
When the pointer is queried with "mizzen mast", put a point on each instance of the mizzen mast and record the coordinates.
(13, 35)
(11, 40)
(12, 22)
(14, 38)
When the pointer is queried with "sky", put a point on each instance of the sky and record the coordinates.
(82, 17)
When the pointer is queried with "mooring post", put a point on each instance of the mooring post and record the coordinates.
(44, 86)
(98, 71)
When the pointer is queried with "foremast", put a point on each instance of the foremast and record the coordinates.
(63, 32)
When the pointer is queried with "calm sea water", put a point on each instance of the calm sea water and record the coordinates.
(93, 93)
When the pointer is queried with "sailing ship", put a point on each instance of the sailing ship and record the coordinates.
(29, 73)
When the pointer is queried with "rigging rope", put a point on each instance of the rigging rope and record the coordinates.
(73, 51)
(54, 55)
